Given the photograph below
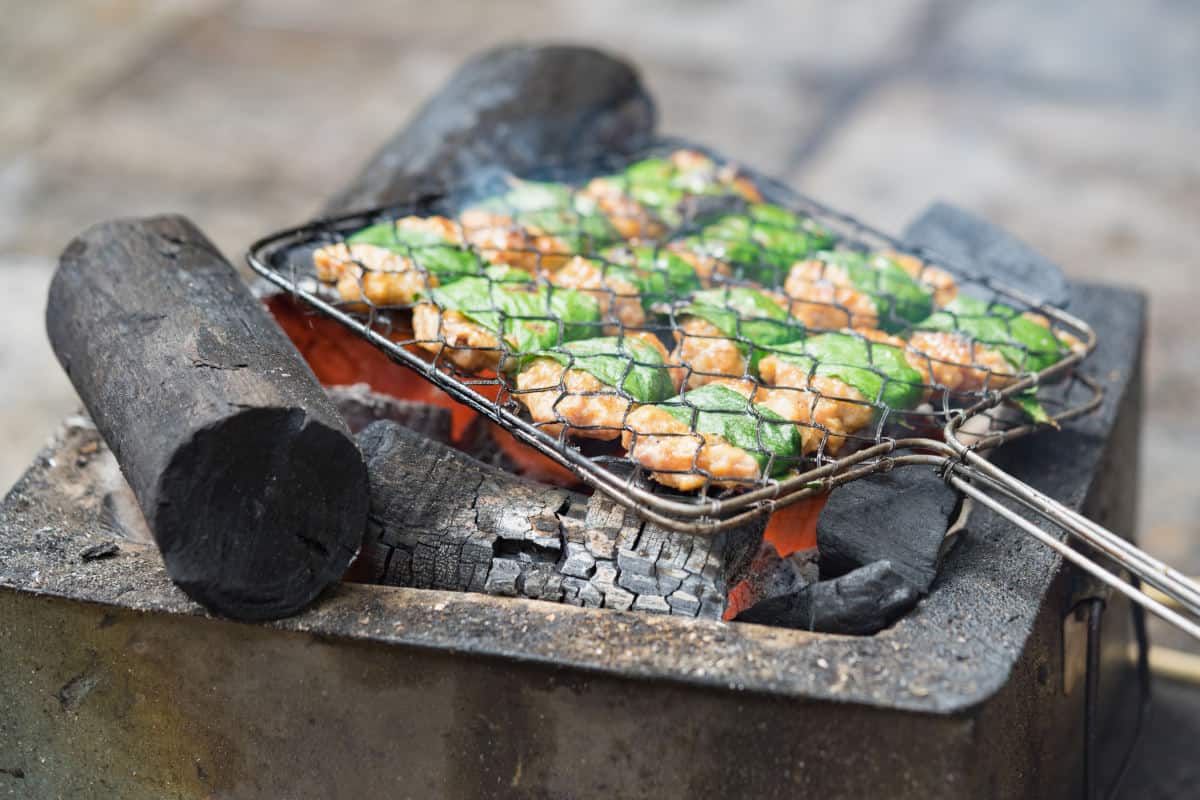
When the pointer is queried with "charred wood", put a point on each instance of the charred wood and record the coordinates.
(359, 407)
(900, 516)
(514, 107)
(246, 474)
(440, 519)
(861, 603)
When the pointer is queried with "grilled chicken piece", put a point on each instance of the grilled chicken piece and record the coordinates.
(628, 217)
(378, 275)
(824, 402)
(699, 170)
(953, 361)
(944, 287)
(468, 345)
(705, 265)
(679, 457)
(619, 299)
(824, 297)
(366, 272)
(590, 408)
(500, 240)
(711, 356)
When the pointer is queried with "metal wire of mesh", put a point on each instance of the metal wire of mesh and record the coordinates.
(695, 340)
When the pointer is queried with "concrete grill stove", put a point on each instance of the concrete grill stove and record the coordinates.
(120, 685)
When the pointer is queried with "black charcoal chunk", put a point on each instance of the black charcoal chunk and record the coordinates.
(516, 107)
(900, 516)
(858, 603)
(359, 407)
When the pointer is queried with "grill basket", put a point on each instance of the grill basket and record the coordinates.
(710, 289)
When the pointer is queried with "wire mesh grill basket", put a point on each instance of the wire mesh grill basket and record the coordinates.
(697, 341)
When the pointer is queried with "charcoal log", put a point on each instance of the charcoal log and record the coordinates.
(860, 603)
(442, 520)
(900, 516)
(359, 407)
(247, 476)
(514, 107)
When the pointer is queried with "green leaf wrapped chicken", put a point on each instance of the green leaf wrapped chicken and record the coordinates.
(645, 198)
(838, 384)
(722, 332)
(760, 245)
(628, 281)
(474, 316)
(845, 289)
(537, 226)
(391, 263)
(591, 385)
(713, 434)
(972, 345)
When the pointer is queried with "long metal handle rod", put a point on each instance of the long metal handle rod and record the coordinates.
(1075, 557)
(1162, 576)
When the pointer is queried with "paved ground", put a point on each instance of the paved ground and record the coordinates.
(1073, 124)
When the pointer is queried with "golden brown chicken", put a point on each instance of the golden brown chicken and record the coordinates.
(558, 394)
(684, 459)
(619, 298)
(383, 265)
(825, 298)
(500, 240)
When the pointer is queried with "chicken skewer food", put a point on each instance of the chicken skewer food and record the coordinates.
(721, 333)
(591, 385)
(785, 346)
(713, 435)
(489, 322)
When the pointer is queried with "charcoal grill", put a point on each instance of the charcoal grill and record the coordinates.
(118, 685)
(973, 421)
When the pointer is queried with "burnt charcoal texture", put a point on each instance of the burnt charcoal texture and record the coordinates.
(246, 474)
(360, 406)
(860, 603)
(979, 247)
(440, 519)
(900, 516)
(514, 107)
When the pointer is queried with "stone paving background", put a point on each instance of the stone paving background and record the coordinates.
(1075, 125)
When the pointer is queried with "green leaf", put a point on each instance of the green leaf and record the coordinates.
(660, 275)
(527, 321)
(557, 209)
(746, 315)
(879, 371)
(763, 243)
(753, 427)
(1026, 345)
(628, 364)
(427, 249)
(898, 298)
(1028, 402)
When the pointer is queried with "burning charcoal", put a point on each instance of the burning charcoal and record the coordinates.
(360, 406)
(900, 516)
(858, 603)
(437, 507)
(440, 519)
(514, 107)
